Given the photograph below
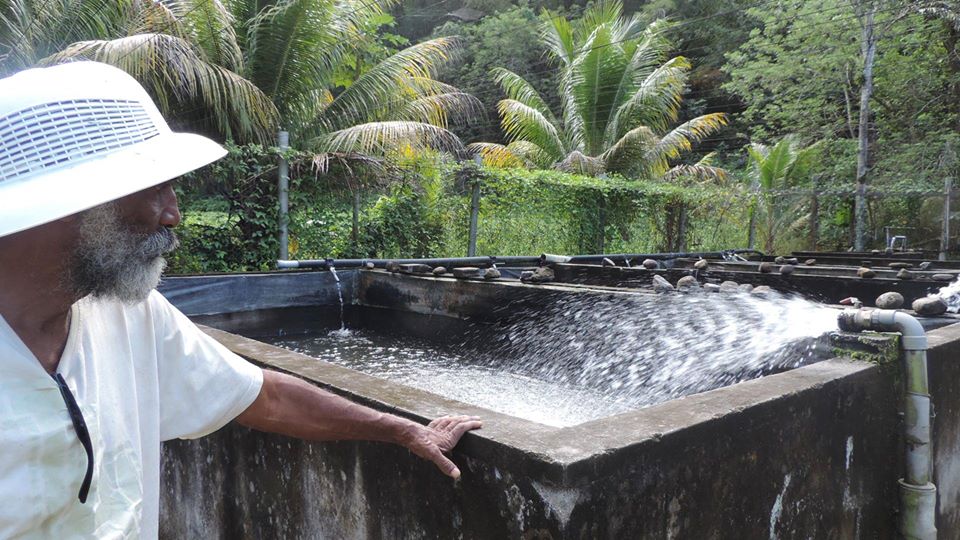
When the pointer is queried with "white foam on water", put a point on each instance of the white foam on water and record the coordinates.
(590, 357)
(951, 295)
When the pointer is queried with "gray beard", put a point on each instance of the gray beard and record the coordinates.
(112, 261)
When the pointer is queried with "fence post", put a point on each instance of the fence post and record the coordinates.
(283, 187)
(945, 237)
(752, 227)
(815, 214)
(474, 208)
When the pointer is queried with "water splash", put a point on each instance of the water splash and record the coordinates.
(591, 356)
(343, 331)
(951, 295)
(645, 349)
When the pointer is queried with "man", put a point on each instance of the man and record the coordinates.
(97, 367)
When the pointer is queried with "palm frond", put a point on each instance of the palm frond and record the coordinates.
(629, 153)
(578, 163)
(701, 171)
(524, 123)
(441, 109)
(655, 101)
(176, 76)
(374, 94)
(497, 155)
(681, 139)
(519, 89)
(378, 138)
(557, 34)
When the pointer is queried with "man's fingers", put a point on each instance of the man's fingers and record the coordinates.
(463, 427)
(444, 423)
(448, 467)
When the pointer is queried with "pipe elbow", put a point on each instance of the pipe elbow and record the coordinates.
(913, 336)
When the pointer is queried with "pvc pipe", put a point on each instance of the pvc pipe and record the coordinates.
(918, 495)
(380, 263)
(545, 258)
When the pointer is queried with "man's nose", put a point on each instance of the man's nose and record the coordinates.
(170, 213)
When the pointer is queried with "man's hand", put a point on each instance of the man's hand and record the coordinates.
(295, 408)
(440, 436)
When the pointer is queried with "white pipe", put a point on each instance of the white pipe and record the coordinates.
(918, 495)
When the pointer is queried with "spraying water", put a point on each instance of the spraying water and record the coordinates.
(591, 356)
(645, 349)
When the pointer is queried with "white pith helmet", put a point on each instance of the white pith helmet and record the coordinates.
(77, 135)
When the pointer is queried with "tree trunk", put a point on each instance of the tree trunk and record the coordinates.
(868, 48)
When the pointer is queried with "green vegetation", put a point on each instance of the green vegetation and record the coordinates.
(634, 126)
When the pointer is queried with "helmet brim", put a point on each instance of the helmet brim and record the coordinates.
(75, 187)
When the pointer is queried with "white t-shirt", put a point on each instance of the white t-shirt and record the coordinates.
(141, 374)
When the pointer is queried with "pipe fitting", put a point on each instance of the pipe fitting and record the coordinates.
(918, 496)
(913, 336)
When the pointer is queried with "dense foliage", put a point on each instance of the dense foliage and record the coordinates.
(379, 95)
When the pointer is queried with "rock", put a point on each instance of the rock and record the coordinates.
(746, 287)
(787, 269)
(792, 260)
(925, 265)
(762, 290)
(467, 272)
(875, 251)
(889, 300)
(711, 287)
(850, 301)
(392, 266)
(491, 273)
(415, 268)
(730, 286)
(866, 264)
(765, 268)
(943, 277)
(369, 265)
(779, 260)
(929, 306)
(701, 264)
(439, 271)
(900, 265)
(810, 262)
(607, 262)
(865, 273)
(526, 275)
(543, 274)
(904, 274)
(687, 281)
(661, 285)
(650, 264)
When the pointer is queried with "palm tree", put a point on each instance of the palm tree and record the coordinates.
(243, 68)
(774, 169)
(184, 53)
(620, 95)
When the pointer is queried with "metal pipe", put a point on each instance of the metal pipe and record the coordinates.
(451, 262)
(545, 258)
(918, 495)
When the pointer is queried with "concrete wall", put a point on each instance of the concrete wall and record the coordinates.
(809, 453)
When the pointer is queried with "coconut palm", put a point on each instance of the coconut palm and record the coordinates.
(774, 169)
(243, 68)
(184, 54)
(620, 98)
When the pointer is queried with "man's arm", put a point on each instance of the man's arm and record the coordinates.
(290, 406)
